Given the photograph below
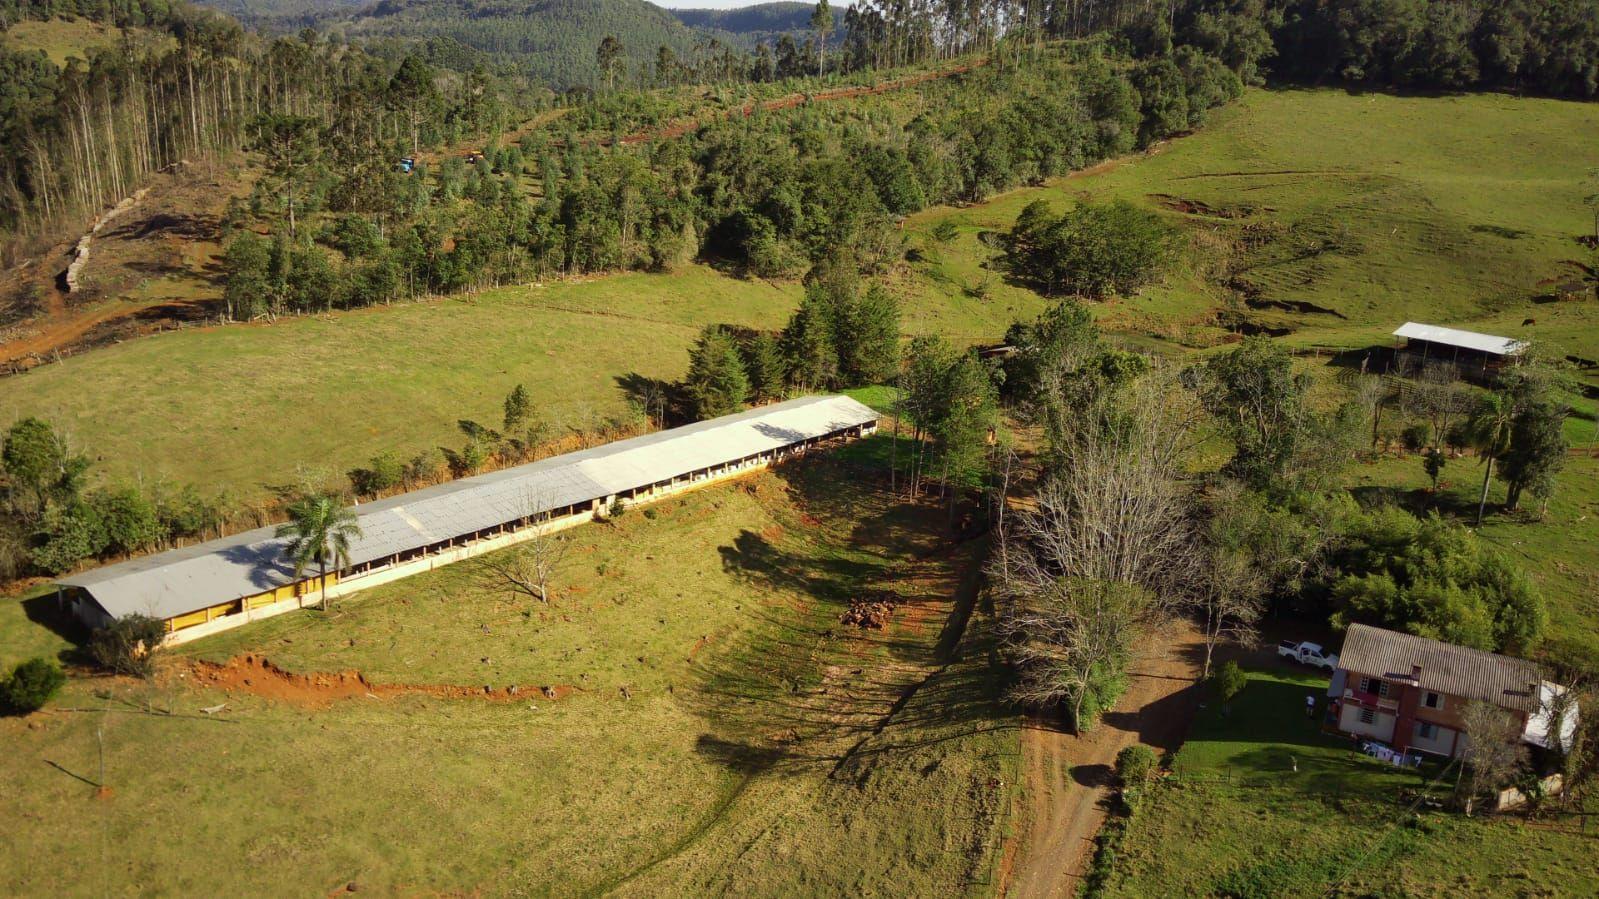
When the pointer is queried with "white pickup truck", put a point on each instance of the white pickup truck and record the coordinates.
(1307, 654)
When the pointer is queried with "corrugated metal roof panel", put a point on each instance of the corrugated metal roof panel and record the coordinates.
(196, 577)
(1466, 340)
(1444, 667)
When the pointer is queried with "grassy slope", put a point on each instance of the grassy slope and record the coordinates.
(237, 406)
(720, 614)
(1238, 819)
(1380, 208)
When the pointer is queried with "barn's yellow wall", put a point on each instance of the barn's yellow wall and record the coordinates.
(233, 607)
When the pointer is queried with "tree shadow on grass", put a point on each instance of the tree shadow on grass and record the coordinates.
(803, 692)
(663, 401)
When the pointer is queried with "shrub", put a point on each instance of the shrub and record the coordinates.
(383, 472)
(617, 508)
(1228, 681)
(1135, 764)
(30, 686)
(1415, 437)
(127, 645)
(1433, 578)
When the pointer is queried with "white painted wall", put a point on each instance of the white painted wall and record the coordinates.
(1381, 728)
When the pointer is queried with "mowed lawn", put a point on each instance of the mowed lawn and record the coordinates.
(1374, 207)
(760, 748)
(1261, 803)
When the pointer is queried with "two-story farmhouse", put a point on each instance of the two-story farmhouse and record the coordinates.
(1411, 692)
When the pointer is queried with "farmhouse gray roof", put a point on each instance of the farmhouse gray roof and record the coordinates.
(185, 580)
(1466, 340)
(1441, 667)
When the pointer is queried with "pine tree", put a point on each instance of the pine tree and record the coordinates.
(808, 344)
(873, 337)
(763, 361)
(716, 382)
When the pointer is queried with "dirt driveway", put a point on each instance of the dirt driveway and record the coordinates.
(1069, 777)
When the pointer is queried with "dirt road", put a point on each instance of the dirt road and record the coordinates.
(1069, 777)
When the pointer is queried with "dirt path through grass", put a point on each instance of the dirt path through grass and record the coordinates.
(1069, 777)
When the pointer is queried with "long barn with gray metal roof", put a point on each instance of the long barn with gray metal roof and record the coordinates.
(200, 589)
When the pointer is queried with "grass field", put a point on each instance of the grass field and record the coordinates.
(1261, 803)
(238, 406)
(761, 747)
(1399, 208)
(1377, 208)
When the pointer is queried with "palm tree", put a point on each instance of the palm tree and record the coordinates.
(1490, 433)
(319, 530)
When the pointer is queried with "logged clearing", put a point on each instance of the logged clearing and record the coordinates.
(722, 732)
(61, 40)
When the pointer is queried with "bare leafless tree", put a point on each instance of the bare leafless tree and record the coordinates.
(527, 568)
(1115, 508)
(1108, 546)
(1069, 637)
(1442, 398)
(1494, 754)
(1230, 598)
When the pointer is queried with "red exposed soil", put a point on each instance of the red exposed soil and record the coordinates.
(257, 676)
(1069, 776)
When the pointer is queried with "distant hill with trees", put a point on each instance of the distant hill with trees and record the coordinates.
(761, 23)
(551, 42)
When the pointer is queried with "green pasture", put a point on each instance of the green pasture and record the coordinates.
(1261, 803)
(1372, 207)
(756, 737)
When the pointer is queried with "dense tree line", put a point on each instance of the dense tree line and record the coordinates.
(1548, 46)
(75, 140)
(771, 194)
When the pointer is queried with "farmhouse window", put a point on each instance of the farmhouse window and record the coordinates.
(1382, 689)
(1432, 701)
(1365, 685)
(1368, 716)
(1426, 730)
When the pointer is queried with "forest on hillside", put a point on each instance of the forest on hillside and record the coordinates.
(80, 138)
(763, 23)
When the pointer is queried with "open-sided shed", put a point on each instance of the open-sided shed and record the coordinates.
(210, 586)
(1472, 354)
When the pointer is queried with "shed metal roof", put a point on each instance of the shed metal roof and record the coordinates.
(1466, 340)
(184, 580)
(1444, 667)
